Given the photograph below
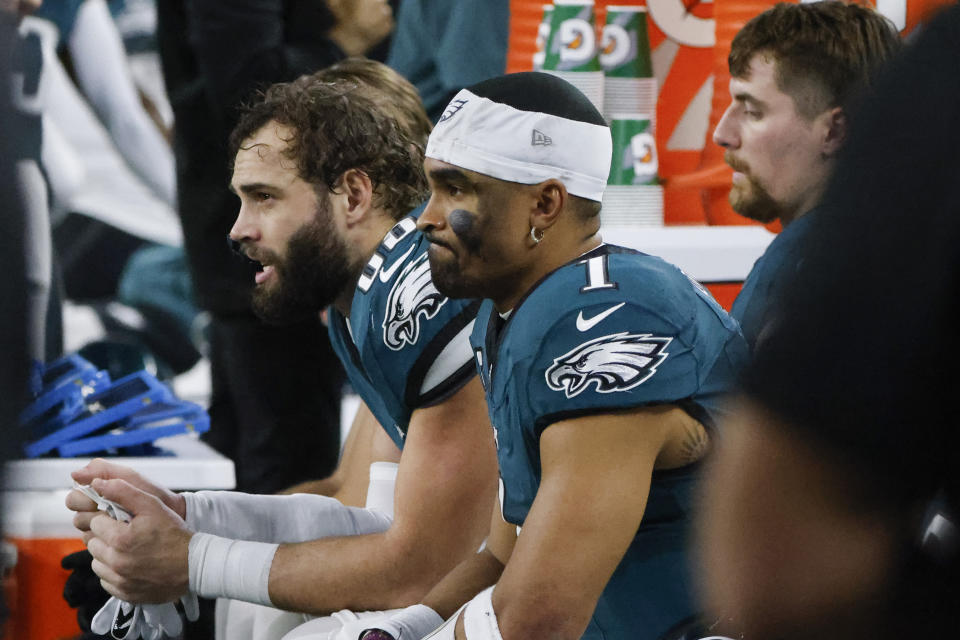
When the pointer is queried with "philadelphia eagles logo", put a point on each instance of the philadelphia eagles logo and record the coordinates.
(412, 296)
(616, 362)
(452, 109)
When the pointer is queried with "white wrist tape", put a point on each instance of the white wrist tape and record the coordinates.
(237, 569)
(281, 519)
(479, 618)
(412, 623)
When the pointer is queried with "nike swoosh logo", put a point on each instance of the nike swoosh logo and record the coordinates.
(122, 623)
(386, 274)
(584, 324)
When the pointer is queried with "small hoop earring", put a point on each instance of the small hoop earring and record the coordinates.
(533, 235)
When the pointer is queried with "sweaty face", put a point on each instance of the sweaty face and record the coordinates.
(775, 152)
(474, 239)
(287, 228)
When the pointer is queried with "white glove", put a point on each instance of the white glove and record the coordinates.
(354, 625)
(120, 619)
(125, 621)
(412, 623)
(342, 625)
(110, 507)
(164, 619)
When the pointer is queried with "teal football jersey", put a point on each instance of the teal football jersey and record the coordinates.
(755, 305)
(614, 329)
(405, 345)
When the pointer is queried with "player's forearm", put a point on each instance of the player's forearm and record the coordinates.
(236, 550)
(468, 579)
(368, 572)
(278, 519)
(361, 571)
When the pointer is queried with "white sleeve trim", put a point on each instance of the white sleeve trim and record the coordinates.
(380, 491)
(447, 629)
(451, 359)
(479, 618)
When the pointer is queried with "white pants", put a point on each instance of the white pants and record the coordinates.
(238, 620)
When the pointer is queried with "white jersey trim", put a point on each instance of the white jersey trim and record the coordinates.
(454, 356)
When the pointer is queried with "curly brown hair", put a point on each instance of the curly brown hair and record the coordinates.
(337, 126)
(836, 45)
(389, 89)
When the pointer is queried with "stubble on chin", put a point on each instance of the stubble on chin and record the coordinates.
(315, 271)
(268, 304)
(446, 277)
(754, 202)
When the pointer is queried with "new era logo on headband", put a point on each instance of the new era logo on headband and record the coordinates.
(540, 139)
(452, 109)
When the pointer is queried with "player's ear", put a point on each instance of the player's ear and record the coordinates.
(551, 198)
(834, 131)
(357, 190)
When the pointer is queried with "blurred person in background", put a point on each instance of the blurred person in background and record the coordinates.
(442, 46)
(18, 327)
(25, 100)
(88, 37)
(21, 324)
(831, 509)
(107, 171)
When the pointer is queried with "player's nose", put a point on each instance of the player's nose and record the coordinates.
(243, 227)
(725, 133)
(431, 218)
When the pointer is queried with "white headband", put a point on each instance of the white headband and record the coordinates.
(527, 147)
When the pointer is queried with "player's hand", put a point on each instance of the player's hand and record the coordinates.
(100, 468)
(86, 509)
(144, 560)
(112, 509)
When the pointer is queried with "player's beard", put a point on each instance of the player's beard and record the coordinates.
(749, 198)
(450, 279)
(314, 271)
(446, 276)
(476, 250)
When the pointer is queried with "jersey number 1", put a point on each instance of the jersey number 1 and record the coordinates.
(598, 276)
